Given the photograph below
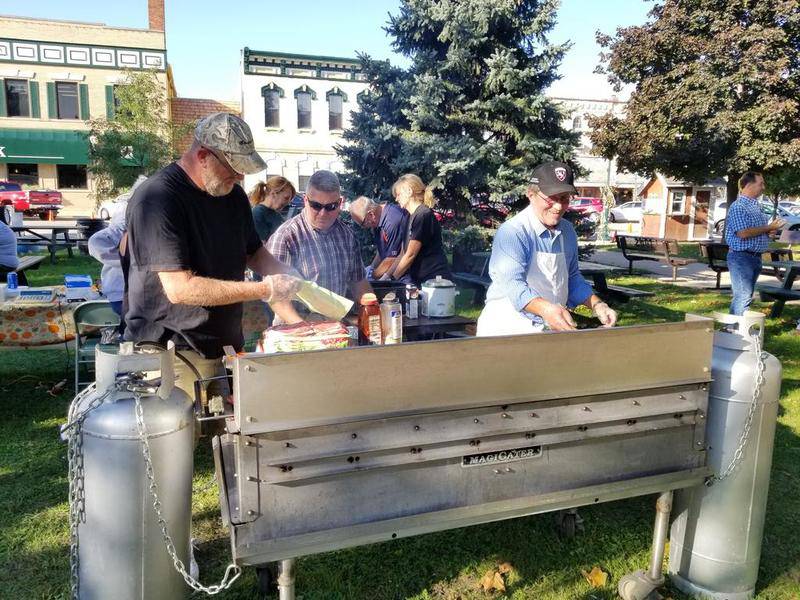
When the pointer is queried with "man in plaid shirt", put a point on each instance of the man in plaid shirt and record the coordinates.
(747, 234)
(318, 245)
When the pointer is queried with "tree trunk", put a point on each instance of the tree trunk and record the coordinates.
(732, 188)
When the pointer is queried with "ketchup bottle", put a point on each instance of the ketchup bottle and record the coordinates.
(369, 320)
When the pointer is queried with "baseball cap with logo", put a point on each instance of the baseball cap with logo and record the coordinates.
(231, 137)
(554, 178)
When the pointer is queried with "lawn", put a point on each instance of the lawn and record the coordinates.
(448, 565)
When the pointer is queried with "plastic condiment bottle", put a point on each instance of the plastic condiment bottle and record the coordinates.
(391, 320)
(369, 320)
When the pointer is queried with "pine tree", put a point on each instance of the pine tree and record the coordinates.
(470, 113)
(717, 90)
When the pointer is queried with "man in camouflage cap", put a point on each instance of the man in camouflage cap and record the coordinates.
(190, 237)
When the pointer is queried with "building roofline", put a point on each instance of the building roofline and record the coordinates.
(617, 101)
(266, 53)
(85, 23)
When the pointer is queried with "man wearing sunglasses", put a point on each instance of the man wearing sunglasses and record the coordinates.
(318, 245)
(190, 237)
(534, 264)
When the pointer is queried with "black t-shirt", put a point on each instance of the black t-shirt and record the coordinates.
(174, 226)
(431, 260)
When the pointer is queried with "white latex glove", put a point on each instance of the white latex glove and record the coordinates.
(558, 318)
(282, 287)
(607, 316)
(385, 277)
(368, 272)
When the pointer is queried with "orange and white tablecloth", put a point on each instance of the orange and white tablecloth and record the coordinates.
(36, 324)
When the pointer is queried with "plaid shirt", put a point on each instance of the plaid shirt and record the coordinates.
(330, 258)
(743, 214)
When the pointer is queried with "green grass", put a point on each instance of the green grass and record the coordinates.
(448, 565)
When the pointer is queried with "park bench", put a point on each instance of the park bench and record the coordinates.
(647, 248)
(476, 275)
(780, 293)
(26, 263)
(717, 257)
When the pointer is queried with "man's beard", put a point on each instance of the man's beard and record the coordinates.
(218, 187)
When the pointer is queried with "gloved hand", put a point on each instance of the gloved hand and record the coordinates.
(557, 317)
(282, 287)
(368, 271)
(385, 277)
(607, 316)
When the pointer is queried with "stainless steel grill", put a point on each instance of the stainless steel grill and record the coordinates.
(347, 447)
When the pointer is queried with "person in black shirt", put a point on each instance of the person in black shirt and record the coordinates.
(268, 199)
(423, 257)
(190, 238)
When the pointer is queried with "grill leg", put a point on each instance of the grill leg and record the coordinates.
(642, 585)
(286, 579)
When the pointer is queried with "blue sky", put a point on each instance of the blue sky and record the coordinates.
(203, 44)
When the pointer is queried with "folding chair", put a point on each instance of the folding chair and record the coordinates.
(90, 318)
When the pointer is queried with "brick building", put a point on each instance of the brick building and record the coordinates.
(186, 112)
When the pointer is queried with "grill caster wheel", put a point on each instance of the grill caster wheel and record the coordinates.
(568, 523)
(639, 586)
(267, 579)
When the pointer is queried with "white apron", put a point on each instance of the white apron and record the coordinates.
(548, 275)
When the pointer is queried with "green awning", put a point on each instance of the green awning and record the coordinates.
(35, 146)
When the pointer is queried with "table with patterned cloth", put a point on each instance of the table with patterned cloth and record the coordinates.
(38, 324)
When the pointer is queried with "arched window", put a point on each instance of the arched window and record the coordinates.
(304, 95)
(272, 95)
(577, 124)
(336, 99)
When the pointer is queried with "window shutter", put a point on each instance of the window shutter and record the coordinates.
(52, 109)
(36, 111)
(109, 102)
(83, 94)
(3, 107)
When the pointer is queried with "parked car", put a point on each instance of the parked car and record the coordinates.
(769, 209)
(629, 211)
(489, 214)
(589, 207)
(792, 207)
(719, 214)
(109, 208)
(294, 207)
(44, 203)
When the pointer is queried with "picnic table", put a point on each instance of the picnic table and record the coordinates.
(40, 324)
(25, 263)
(597, 272)
(782, 293)
(30, 235)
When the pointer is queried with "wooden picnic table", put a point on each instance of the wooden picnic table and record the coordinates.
(25, 263)
(783, 293)
(33, 237)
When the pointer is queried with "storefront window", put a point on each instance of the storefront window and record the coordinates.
(23, 174)
(71, 177)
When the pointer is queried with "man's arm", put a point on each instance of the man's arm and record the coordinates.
(183, 287)
(755, 231)
(264, 263)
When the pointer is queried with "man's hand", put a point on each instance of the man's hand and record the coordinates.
(385, 277)
(557, 317)
(776, 224)
(282, 287)
(607, 316)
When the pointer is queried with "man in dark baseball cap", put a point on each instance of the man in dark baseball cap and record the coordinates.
(190, 238)
(534, 264)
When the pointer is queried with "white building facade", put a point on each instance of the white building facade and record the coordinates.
(297, 107)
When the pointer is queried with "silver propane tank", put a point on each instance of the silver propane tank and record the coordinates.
(715, 540)
(117, 546)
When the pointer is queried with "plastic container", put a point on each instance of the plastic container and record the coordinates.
(412, 302)
(391, 320)
(369, 320)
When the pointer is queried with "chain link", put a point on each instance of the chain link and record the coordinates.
(738, 454)
(232, 569)
(77, 500)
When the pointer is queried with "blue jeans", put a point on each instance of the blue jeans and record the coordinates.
(744, 269)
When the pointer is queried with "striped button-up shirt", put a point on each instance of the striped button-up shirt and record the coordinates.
(515, 246)
(330, 258)
(744, 214)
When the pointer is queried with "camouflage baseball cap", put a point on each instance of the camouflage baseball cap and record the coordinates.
(231, 137)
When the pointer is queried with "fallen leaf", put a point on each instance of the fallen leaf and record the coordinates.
(492, 581)
(596, 577)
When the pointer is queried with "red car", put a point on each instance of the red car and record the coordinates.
(589, 207)
(45, 203)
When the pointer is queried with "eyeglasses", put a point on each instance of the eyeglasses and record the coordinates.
(563, 200)
(317, 207)
(224, 163)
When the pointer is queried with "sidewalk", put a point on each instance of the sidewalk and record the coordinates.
(696, 275)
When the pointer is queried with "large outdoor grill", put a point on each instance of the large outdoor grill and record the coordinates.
(347, 447)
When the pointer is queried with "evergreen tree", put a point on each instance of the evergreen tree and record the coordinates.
(717, 90)
(469, 114)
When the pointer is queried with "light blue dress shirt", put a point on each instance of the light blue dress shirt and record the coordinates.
(514, 249)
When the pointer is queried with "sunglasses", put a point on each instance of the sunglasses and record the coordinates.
(317, 207)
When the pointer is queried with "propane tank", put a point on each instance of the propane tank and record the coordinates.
(715, 540)
(121, 551)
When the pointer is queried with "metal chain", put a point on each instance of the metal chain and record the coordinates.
(744, 437)
(77, 500)
(162, 523)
